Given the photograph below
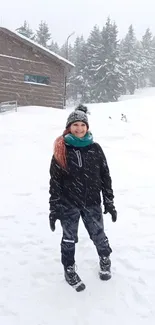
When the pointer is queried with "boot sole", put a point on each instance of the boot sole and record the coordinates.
(81, 287)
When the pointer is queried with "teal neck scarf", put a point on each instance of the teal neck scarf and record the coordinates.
(71, 140)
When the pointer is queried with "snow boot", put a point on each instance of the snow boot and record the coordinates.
(105, 268)
(73, 279)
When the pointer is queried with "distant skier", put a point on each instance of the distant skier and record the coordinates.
(123, 118)
(78, 173)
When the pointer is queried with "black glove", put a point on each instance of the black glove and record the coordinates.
(109, 207)
(55, 213)
(52, 221)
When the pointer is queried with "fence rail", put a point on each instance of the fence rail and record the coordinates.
(8, 106)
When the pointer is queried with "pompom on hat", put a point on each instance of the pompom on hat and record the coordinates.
(79, 114)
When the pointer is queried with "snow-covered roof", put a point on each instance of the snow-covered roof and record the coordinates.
(47, 52)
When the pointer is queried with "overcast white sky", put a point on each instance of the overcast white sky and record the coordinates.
(66, 16)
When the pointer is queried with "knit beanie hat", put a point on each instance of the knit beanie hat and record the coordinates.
(79, 114)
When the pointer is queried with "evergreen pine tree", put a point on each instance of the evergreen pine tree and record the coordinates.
(43, 35)
(148, 55)
(112, 77)
(95, 57)
(54, 47)
(67, 54)
(25, 30)
(77, 79)
(129, 60)
(63, 51)
(140, 65)
(152, 73)
(106, 75)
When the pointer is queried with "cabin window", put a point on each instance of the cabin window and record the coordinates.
(36, 79)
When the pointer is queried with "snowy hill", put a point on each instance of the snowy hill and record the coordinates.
(32, 286)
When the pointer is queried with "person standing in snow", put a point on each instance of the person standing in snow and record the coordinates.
(78, 174)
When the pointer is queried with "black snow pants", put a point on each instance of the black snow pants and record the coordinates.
(93, 221)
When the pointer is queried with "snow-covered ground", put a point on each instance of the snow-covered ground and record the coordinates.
(32, 286)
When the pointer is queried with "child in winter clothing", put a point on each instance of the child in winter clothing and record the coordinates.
(78, 174)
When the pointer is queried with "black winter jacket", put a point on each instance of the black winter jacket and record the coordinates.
(86, 176)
